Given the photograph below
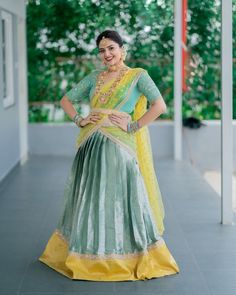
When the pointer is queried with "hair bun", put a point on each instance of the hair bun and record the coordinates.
(113, 35)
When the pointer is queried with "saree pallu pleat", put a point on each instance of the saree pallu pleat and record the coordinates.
(107, 230)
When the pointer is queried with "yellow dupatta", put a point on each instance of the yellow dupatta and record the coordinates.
(138, 144)
(145, 159)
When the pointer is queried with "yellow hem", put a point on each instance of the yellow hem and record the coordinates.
(155, 262)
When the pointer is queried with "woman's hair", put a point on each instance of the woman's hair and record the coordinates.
(113, 35)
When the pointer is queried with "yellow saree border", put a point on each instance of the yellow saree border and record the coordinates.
(155, 261)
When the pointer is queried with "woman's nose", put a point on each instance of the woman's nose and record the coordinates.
(106, 53)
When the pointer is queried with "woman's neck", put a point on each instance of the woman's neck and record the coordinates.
(116, 67)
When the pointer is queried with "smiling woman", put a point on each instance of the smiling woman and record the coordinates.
(111, 224)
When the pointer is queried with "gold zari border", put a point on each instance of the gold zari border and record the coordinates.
(155, 261)
(113, 255)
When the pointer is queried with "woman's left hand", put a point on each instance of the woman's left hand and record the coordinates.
(120, 120)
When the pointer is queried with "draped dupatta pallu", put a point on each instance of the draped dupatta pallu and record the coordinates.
(137, 144)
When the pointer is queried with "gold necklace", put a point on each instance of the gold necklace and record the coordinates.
(116, 67)
(103, 96)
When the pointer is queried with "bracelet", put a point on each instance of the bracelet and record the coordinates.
(76, 116)
(132, 127)
(77, 119)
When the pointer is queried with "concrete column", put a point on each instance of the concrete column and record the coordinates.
(227, 116)
(22, 87)
(178, 81)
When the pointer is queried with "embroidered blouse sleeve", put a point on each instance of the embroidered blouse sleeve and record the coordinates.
(147, 86)
(80, 93)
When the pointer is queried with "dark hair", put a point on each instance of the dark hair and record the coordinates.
(113, 35)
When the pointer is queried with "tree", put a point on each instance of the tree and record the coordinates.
(61, 46)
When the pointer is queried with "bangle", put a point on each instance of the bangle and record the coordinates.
(76, 116)
(77, 119)
(133, 126)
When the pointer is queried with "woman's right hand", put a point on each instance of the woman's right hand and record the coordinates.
(91, 118)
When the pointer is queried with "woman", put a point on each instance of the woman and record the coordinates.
(112, 220)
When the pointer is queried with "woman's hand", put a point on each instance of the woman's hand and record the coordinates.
(91, 118)
(120, 120)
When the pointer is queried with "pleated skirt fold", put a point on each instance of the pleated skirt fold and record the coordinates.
(106, 231)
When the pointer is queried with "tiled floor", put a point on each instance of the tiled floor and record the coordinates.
(30, 202)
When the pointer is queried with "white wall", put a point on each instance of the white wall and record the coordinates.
(16, 7)
(201, 147)
(13, 119)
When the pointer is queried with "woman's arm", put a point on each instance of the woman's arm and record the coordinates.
(147, 87)
(68, 107)
(156, 108)
(71, 112)
(79, 94)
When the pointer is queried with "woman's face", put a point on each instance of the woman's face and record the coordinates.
(110, 52)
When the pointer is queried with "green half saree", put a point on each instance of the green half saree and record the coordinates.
(112, 218)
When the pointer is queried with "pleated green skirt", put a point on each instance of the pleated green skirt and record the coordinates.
(106, 229)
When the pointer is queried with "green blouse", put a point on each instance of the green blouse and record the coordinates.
(84, 90)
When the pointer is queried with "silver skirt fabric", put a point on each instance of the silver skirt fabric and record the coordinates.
(106, 208)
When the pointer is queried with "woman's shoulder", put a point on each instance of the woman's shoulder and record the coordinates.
(138, 70)
(91, 76)
(94, 73)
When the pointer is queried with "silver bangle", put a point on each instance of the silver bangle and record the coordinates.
(76, 116)
(77, 119)
(133, 126)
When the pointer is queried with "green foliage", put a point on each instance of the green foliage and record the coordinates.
(203, 96)
(38, 114)
(61, 47)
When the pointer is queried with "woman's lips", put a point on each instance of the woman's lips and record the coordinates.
(109, 59)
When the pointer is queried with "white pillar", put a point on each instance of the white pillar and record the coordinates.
(178, 81)
(22, 87)
(226, 119)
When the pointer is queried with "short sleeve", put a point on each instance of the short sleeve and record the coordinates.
(80, 93)
(147, 87)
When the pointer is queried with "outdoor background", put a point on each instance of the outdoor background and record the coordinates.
(61, 50)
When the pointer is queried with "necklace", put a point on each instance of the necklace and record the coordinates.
(116, 67)
(103, 96)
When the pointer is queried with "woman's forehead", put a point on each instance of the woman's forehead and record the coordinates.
(106, 42)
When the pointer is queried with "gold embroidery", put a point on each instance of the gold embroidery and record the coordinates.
(61, 235)
(128, 255)
(114, 139)
(105, 122)
(96, 127)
